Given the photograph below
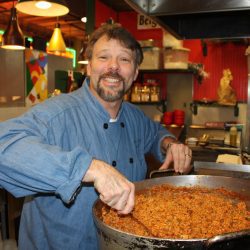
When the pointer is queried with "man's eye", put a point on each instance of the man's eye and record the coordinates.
(125, 59)
(102, 57)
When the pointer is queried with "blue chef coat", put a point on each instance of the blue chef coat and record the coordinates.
(45, 153)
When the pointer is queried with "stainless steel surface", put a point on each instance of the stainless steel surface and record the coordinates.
(221, 169)
(110, 238)
(222, 166)
(198, 19)
(246, 140)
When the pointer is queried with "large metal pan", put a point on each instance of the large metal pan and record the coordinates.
(110, 238)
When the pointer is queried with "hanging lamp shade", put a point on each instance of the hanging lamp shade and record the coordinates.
(56, 43)
(13, 37)
(43, 8)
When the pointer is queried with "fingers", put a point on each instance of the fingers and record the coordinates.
(123, 202)
(115, 190)
(126, 203)
(167, 162)
(181, 156)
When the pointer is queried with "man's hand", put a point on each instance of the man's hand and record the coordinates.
(115, 190)
(179, 154)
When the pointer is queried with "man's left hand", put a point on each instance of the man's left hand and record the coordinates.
(180, 155)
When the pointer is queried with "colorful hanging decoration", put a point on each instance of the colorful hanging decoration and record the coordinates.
(36, 76)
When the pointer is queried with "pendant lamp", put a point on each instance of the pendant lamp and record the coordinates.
(56, 43)
(13, 37)
(82, 57)
(43, 8)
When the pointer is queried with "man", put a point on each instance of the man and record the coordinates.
(72, 148)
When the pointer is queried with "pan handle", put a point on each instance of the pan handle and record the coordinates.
(226, 238)
(162, 172)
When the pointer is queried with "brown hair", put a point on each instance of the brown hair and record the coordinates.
(117, 32)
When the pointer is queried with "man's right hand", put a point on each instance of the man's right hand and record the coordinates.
(115, 190)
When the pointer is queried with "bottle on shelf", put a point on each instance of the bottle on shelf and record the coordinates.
(145, 93)
(136, 92)
(233, 136)
(155, 93)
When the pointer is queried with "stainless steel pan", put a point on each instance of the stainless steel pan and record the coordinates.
(110, 238)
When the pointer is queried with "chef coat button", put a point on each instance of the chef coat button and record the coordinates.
(105, 125)
(131, 160)
(114, 163)
(122, 125)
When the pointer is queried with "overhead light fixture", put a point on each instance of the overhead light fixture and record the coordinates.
(56, 43)
(13, 37)
(82, 57)
(84, 19)
(43, 8)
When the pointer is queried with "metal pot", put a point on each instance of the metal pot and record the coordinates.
(110, 238)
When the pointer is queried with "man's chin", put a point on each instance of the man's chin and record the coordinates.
(111, 97)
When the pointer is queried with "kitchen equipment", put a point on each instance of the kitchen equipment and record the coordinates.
(176, 58)
(203, 141)
(192, 141)
(221, 169)
(233, 136)
(147, 43)
(110, 238)
(168, 117)
(152, 58)
(179, 117)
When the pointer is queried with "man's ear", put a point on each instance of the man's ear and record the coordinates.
(88, 68)
(136, 73)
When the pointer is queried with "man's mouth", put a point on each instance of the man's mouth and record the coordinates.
(111, 80)
(112, 77)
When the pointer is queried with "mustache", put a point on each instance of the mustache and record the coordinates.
(112, 75)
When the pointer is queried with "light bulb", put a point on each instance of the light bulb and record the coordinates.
(43, 5)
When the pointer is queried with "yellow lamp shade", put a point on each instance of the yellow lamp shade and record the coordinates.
(56, 43)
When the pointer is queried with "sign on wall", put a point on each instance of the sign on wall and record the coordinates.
(144, 22)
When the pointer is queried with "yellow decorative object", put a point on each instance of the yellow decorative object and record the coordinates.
(56, 43)
(226, 94)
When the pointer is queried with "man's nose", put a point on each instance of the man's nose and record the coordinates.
(114, 65)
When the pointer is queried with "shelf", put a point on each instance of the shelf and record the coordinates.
(162, 103)
(195, 104)
(147, 103)
(205, 128)
(148, 71)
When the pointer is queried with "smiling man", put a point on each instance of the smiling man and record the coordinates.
(71, 149)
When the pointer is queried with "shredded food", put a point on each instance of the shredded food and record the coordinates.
(167, 211)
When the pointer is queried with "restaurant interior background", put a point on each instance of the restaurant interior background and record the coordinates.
(31, 76)
(28, 77)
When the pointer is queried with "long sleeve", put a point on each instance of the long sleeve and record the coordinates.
(30, 163)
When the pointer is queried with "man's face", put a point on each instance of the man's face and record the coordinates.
(112, 69)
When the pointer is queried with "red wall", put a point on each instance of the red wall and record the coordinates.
(103, 13)
(220, 55)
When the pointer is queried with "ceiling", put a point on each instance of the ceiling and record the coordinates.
(196, 19)
(71, 25)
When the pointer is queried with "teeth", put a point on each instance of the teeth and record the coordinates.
(112, 80)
